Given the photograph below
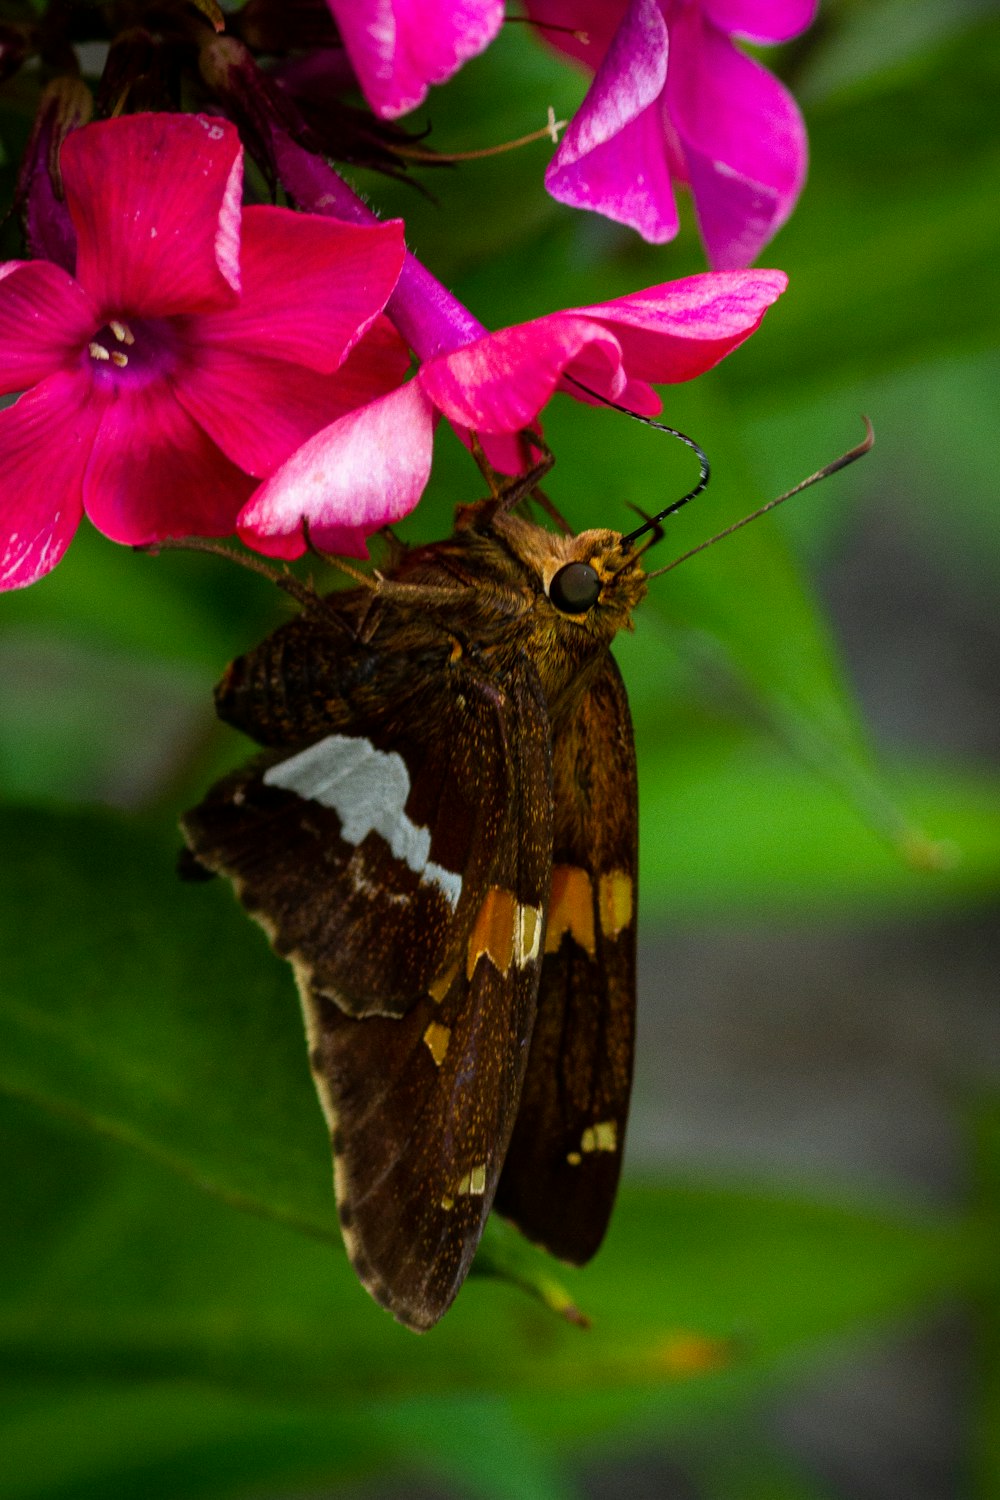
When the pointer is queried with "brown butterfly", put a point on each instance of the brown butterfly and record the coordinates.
(441, 837)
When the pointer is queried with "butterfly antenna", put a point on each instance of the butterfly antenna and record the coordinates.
(652, 523)
(838, 463)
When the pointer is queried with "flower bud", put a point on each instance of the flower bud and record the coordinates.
(65, 104)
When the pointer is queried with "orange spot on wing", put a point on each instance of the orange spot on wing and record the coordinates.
(493, 931)
(571, 908)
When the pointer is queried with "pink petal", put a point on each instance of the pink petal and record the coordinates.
(626, 178)
(373, 368)
(613, 350)
(363, 472)
(761, 20)
(155, 473)
(743, 141)
(260, 410)
(46, 320)
(399, 47)
(501, 382)
(45, 443)
(311, 286)
(681, 329)
(156, 204)
(614, 159)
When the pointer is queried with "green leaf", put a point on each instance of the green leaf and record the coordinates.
(153, 1341)
(731, 825)
(479, 1448)
(154, 1011)
(165, 1439)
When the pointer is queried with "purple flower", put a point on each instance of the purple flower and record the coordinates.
(673, 100)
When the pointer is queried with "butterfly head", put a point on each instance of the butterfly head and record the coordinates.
(587, 585)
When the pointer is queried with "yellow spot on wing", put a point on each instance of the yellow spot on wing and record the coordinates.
(473, 1181)
(529, 934)
(571, 909)
(614, 900)
(437, 1038)
(574, 1158)
(600, 1137)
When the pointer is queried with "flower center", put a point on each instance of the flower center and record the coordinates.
(134, 352)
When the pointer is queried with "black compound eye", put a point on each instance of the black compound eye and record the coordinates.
(575, 588)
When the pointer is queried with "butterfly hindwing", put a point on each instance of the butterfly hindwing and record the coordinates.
(562, 1168)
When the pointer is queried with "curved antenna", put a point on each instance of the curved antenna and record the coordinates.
(831, 468)
(651, 523)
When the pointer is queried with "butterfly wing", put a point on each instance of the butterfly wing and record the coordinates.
(403, 871)
(561, 1174)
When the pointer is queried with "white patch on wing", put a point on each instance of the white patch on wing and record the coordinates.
(367, 789)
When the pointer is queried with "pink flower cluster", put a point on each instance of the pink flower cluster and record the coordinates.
(208, 368)
(188, 366)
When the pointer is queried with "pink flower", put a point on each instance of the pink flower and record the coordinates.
(673, 100)
(370, 467)
(195, 348)
(399, 47)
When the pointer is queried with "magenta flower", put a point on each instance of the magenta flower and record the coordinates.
(195, 348)
(399, 47)
(370, 467)
(673, 100)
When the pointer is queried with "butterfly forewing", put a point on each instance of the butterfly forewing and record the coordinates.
(410, 900)
(363, 853)
(564, 1160)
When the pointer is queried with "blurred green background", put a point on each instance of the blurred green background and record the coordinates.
(800, 1294)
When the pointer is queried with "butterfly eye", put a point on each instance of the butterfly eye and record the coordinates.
(575, 588)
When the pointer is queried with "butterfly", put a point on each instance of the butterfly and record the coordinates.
(440, 835)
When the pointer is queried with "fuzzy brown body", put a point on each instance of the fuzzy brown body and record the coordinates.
(441, 837)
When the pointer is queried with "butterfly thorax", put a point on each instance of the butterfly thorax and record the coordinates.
(477, 602)
(502, 569)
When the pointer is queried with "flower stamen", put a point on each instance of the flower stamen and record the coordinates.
(97, 351)
(121, 331)
(119, 359)
(549, 131)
